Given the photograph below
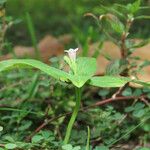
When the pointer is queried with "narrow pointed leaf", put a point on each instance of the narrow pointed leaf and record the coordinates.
(142, 17)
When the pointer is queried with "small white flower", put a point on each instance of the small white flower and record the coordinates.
(72, 53)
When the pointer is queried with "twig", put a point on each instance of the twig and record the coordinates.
(46, 122)
(109, 100)
(145, 101)
(117, 93)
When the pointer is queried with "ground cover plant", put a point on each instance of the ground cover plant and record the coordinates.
(67, 106)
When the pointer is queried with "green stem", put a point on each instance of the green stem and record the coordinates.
(74, 115)
(88, 140)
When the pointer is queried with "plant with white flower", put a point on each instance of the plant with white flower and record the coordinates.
(82, 71)
(71, 60)
(72, 53)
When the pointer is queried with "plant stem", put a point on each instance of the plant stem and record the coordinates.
(74, 115)
(88, 140)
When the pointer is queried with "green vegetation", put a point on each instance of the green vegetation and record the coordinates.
(68, 106)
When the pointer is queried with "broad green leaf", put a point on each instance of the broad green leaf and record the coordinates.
(37, 138)
(86, 68)
(108, 81)
(67, 147)
(10, 146)
(55, 73)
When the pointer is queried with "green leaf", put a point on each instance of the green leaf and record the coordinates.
(10, 146)
(67, 147)
(101, 148)
(139, 106)
(9, 139)
(46, 134)
(144, 7)
(55, 73)
(77, 148)
(134, 7)
(108, 81)
(117, 27)
(146, 127)
(127, 92)
(37, 138)
(137, 92)
(139, 113)
(129, 109)
(145, 84)
(86, 68)
(25, 125)
(115, 23)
